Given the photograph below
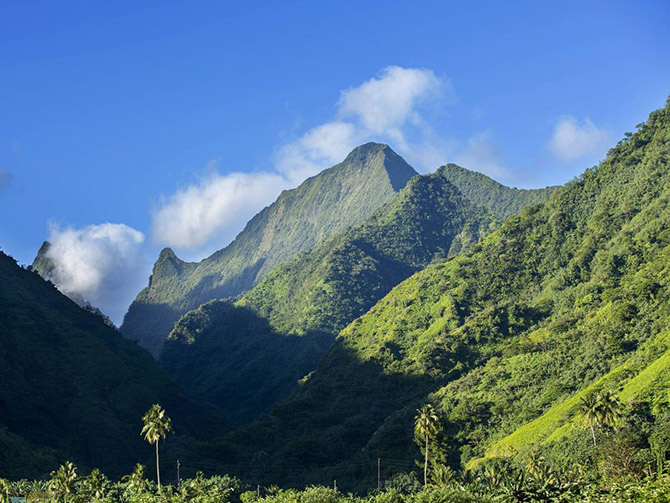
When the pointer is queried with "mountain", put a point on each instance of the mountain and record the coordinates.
(277, 332)
(499, 199)
(44, 266)
(567, 298)
(323, 205)
(74, 388)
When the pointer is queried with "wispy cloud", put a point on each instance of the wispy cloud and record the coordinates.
(573, 140)
(215, 206)
(482, 154)
(6, 178)
(389, 107)
(102, 263)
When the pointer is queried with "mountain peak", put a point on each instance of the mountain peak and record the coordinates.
(42, 264)
(168, 254)
(335, 199)
(168, 264)
(483, 190)
(366, 149)
(373, 155)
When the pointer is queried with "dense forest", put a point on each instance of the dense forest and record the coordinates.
(566, 301)
(457, 346)
(321, 206)
(277, 332)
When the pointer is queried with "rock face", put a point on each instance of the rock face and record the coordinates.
(335, 199)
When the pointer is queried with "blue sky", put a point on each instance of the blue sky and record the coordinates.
(176, 121)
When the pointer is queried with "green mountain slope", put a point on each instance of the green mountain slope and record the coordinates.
(554, 300)
(335, 199)
(74, 388)
(500, 200)
(317, 294)
(644, 377)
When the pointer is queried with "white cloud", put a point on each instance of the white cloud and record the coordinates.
(383, 104)
(482, 154)
(320, 147)
(385, 108)
(102, 263)
(572, 140)
(196, 213)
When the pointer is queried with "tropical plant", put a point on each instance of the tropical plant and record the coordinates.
(425, 426)
(442, 475)
(603, 410)
(136, 481)
(4, 491)
(610, 409)
(156, 426)
(62, 481)
(589, 407)
(96, 485)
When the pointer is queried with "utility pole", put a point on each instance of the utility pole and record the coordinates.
(258, 490)
(178, 477)
(335, 485)
(379, 474)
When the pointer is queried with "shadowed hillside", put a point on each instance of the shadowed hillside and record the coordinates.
(74, 388)
(560, 296)
(318, 293)
(299, 219)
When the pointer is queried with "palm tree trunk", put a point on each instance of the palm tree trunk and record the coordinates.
(425, 465)
(593, 434)
(158, 469)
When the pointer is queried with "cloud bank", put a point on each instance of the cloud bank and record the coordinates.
(389, 107)
(102, 263)
(573, 140)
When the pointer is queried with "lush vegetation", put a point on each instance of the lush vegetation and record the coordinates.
(317, 294)
(569, 294)
(533, 482)
(321, 206)
(500, 200)
(277, 333)
(533, 366)
(621, 475)
(74, 388)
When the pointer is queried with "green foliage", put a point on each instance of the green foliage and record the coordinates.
(534, 482)
(299, 219)
(310, 299)
(500, 200)
(156, 424)
(563, 295)
(72, 387)
(316, 295)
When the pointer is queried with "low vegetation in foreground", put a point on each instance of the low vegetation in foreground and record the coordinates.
(497, 482)
(614, 470)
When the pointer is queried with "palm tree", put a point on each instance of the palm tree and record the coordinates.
(425, 425)
(156, 426)
(610, 409)
(62, 481)
(601, 410)
(590, 409)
